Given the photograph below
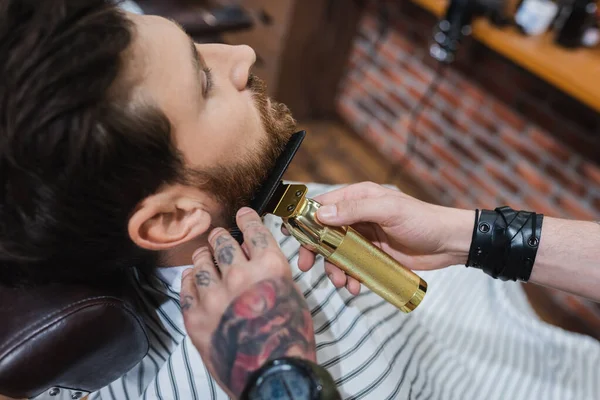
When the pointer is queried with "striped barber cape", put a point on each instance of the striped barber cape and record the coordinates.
(472, 337)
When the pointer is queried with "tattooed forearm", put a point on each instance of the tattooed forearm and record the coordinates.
(269, 320)
(186, 303)
(224, 249)
(203, 278)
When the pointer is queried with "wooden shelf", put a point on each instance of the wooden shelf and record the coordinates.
(576, 72)
(437, 7)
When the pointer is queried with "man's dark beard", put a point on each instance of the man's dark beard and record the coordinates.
(234, 185)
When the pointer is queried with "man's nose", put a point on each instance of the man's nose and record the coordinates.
(243, 58)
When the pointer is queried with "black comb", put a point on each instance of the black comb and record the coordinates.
(265, 193)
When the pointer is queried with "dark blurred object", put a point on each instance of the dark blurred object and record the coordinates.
(451, 29)
(497, 11)
(201, 19)
(574, 18)
(456, 24)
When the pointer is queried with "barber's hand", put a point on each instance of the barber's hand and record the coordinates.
(417, 234)
(249, 310)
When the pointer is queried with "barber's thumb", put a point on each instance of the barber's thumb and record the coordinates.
(349, 212)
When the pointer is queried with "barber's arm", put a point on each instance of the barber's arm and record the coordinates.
(248, 320)
(425, 236)
(569, 257)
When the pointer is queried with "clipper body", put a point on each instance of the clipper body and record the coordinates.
(342, 246)
(347, 249)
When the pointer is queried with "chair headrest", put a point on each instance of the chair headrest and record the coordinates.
(67, 336)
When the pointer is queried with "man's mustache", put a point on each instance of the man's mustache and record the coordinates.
(256, 85)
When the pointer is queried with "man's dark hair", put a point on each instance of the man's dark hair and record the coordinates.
(75, 156)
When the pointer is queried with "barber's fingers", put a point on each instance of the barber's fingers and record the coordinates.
(349, 212)
(202, 259)
(336, 275)
(257, 238)
(246, 249)
(306, 259)
(339, 279)
(353, 286)
(189, 293)
(205, 273)
(226, 250)
(195, 281)
(355, 191)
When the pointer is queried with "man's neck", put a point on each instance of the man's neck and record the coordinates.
(182, 255)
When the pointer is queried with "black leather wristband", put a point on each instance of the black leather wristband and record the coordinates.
(488, 243)
(524, 231)
(505, 243)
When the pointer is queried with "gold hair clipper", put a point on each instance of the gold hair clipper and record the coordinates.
(347, 249)
(342, 246)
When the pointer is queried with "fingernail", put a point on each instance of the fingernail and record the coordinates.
(186, 273)
(244, 211)
(328, 211)
(330, 276)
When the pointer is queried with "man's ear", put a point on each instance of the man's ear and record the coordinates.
(171, 217)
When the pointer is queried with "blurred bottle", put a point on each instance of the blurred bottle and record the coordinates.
(534, 17)
(451, 29)
(574, 19)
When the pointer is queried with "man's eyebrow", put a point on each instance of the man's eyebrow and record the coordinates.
(197, 59)
(198, 63)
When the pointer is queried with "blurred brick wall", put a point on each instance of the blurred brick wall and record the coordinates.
(494, 134)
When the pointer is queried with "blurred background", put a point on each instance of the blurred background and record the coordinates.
(512, 118)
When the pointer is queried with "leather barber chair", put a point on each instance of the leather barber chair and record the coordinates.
(65, 341)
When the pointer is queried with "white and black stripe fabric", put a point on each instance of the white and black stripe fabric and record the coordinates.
(472, 338)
